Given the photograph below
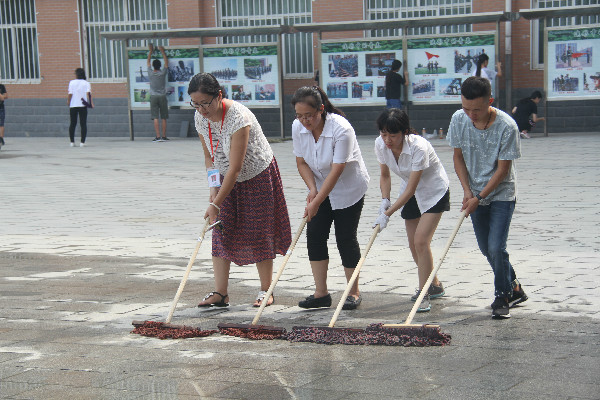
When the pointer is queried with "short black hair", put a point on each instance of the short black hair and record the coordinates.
(156, 64)
(396, 64)
(393, 120)
(536, 95)
(80, 73)
(475, 87)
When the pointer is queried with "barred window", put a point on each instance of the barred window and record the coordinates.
(104, 58)
(19, 60)
(407, 9)
(537, 26)
(297, 48)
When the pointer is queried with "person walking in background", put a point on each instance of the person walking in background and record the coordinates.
(3, 97)
(330, 163)
(247, 196)
(486, 142)
(423, 196)
(79, 97)
(393, 85)
(159, 108)
(483, 71)
(525, 113)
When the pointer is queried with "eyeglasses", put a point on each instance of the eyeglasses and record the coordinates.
(307, 117)
(204, 106)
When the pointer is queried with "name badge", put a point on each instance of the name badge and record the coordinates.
(214, 178)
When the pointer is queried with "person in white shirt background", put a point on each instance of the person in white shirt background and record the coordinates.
(485, 72)
(330, 163)
(80, 94)
(424, 193)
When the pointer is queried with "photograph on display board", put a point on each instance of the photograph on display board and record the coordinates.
(465, 60)
(257, 68)
(565, 83)
(141, 73)
(424, 87)
(141, 95)
(568, 56)
(224, 70)
(238, 93)
(343, 66)
(378, 64)
(362, 89)
(593, 84)
(429, 63)
(337, 90)
(265, 91)
(450, 87)
(180, 70)
(380, 90)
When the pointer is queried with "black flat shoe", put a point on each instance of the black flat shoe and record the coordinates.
(352, 303)
(221, 303)
(319, 302)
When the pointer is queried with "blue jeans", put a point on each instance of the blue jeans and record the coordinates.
(491, 224)
(393, 103)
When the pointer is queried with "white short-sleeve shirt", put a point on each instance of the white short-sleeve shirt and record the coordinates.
(417, 155)
(337, 144)
(78, 88)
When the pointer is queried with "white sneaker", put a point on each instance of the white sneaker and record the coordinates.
(72, 144)
(524, 135)
(81, 144)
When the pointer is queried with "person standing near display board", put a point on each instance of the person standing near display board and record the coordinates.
(158, 94)
(393, 85)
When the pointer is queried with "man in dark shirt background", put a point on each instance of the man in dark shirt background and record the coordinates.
(393, 85)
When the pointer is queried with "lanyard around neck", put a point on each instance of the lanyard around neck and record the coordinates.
(210, 134)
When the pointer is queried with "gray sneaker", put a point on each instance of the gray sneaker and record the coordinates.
(434, 292)
(425, 305)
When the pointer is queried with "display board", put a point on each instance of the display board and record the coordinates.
(183, 64)
(249, 73)
(573, 63)
(438, 65)
(354, 72)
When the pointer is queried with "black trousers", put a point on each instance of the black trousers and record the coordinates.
(346, 224)
(82, 112)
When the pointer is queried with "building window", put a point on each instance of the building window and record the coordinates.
(538, 25)
(409, 9)
(104, 58)
(19, 62)
(297, 48)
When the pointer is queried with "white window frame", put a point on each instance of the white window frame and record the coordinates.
(103, 58)
(408, 9)
(537, 33)
(298, 55)
(19, 42)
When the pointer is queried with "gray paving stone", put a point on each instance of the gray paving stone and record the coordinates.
(93, 238)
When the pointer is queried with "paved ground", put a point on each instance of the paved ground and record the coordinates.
(93, 238)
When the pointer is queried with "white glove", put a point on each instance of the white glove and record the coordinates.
(382, 221)
(385, 204)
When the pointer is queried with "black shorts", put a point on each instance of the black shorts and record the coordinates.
(411, 209)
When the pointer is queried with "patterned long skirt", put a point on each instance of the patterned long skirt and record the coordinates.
(254, 220)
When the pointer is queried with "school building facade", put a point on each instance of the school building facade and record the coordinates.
(44, 41)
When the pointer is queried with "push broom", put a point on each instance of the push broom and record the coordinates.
(254, 331)
(329, 334)
(416, 334)
(166, 330)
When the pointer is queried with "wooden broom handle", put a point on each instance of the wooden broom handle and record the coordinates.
(353, 278)
(263, 303)
(187, 273)
(425, 288)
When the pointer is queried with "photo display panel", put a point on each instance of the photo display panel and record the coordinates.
(573, 63)
(437, 66)
(184, 63)
(249, 73)
(353, 72)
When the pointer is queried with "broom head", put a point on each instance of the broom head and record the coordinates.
(254, 332)
(163, 330)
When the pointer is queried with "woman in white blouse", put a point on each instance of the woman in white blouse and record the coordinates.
(330, 163)
(423, 194)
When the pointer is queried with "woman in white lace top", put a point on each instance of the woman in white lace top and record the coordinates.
(248, 197)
